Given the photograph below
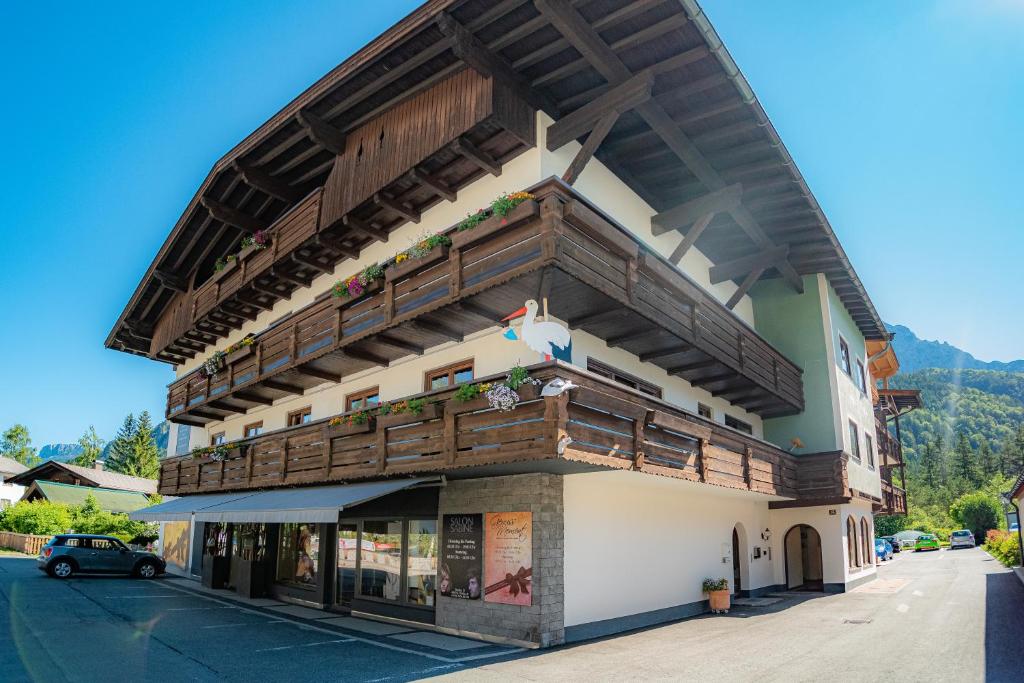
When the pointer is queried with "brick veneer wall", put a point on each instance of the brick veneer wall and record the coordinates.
(543, 621)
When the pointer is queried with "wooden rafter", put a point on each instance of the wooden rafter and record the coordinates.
(657, 354)
(233, 217)
(589, 148)
(333, 243)
(730, 270)
(278, 385)
(406, 211)
(171, 281)
(620, 99)
(437, 185)
(266, 183)
(322, 133)
(363, 228)
(282, 274)
(479, 157)
(315, 373)
(678, 217)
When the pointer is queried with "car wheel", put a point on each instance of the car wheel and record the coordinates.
(146, 570)
(61, 569)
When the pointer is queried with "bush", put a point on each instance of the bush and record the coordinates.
(1003, 546)
(36, 517)
(46, 518)
(978, 512)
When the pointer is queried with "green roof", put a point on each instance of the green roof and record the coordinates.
(110, 500)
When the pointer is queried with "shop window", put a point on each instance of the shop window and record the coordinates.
(361, 400)
(215, 539)
(298, 554)
(705, 411)
(844, 355)
(605, 370)
(249, 542)
(217, 439)
(861, 381)
(738, 425)
(869, 450)
(254, 429)
(348, 551)
(381, 560)
(854, 441)
(852, 547)
(300, 416)
(421, 562)
(449, 375)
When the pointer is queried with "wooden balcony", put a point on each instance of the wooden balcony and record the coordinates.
(890, 452)
(894, 500)
(600, 425)
(598, 276)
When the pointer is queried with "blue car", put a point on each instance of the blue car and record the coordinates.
(883, 549)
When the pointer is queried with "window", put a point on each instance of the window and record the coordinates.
(448, 375)
(361, 400)
(865, 541)
(249, 541)
(861, 381)
(348, 550)
(104, 544)
(182, 439)
(299, 551)
(381, 560)
(393, 560)
(421, 562)
(254, 429)
(869, 450)
(705, 411)
(854, 441)
(599, 368)
(852, 547)
(844, 355)
(217, 439)
(738, 425)
(300, 416)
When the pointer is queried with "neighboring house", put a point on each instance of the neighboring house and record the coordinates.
(1016, 498)
(723, 417)
(111, 500)
(64, 473)
(10, 493)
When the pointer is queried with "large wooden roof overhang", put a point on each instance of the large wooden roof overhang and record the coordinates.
(688, 143)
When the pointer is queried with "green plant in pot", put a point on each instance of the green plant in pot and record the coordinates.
(718, 594)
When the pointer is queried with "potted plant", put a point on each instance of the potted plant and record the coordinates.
(506, 211)
(718, 594)
(425, 252)
(367, 281)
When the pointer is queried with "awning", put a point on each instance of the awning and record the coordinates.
(181, 509)
(308, 504)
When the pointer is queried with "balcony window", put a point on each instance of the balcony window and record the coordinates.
(616, 375)
(217, 439)
(449, 375)
(300, 416)
(361, 400)
(844, 356)
(738, 425)
(860, 379)
(254, 429)
(854, 441)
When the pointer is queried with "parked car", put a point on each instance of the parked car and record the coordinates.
(883, 549)
(961, 539)
(896, 546)
(67, 554)
(927, 542)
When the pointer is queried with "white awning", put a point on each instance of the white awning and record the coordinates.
(309, 504)
(181, 509)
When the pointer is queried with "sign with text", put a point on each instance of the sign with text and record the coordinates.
(508, 557)
(461, 556)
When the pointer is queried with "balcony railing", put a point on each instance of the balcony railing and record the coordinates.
(598, 276)
(599, 425)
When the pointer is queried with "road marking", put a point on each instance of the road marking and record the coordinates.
(137, 597)
(192, 609)
(903, 609)
(292, 647)
(246, 623)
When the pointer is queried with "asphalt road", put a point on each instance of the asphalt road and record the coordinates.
(929, 617)
(938, 616)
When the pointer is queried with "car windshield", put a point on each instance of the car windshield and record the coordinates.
(961, 533)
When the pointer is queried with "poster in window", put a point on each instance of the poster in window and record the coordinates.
(508, 557)
(461, 575)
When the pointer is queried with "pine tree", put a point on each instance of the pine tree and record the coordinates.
(963, 461)
(121, 448)
(92, 447)
(987, 460)
(930, 463)
(1011, 460)
(145, 461)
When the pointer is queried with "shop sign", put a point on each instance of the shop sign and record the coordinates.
(508, 557)
(461, 575)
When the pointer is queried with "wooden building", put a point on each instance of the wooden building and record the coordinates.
(360, 426)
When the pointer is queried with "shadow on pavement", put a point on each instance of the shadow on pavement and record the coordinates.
(1004, 628)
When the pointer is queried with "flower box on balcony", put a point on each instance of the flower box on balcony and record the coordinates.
(431, 411)
(412, 265)
(228, 268)
(239, 354)
(524, 212)
(334, 431)
(371, 289)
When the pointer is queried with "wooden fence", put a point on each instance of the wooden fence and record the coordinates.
(30, 544)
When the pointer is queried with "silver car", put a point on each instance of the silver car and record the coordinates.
(961, 539)
(67, 554)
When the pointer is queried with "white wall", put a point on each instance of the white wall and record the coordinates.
(637, 542)
(10, 493)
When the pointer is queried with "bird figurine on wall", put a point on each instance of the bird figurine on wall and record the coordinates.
(541, 337)
(557, 387)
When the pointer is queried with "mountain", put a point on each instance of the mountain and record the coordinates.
(915, 354)
(63, 452)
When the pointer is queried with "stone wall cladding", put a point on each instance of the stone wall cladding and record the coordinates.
(543, 621)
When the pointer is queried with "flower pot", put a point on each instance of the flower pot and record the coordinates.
(245, 253)
(225, 271)
(239, 354)
(371, 289)
(399, 270)
(719, 600)
(334, 431)
(431, 411)
(524, 212)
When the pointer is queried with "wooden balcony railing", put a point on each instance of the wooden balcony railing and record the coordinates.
(599, 425)
(894, 500)
(598, 276)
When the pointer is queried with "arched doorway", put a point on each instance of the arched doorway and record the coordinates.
(740, 561)
(803, 559)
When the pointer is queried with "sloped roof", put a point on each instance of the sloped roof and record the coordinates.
(98, 478)
(9, 466)
(109, 499)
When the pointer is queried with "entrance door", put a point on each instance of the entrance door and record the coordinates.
(736, 575)
(803, 559)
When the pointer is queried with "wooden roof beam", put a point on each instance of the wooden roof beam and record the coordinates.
(479, 157)
(589, 148)
(277, 385)
(691, 237)
(665, 352)
(723, 199)
(312, 264)
(730, 270)
(289, 277)
(437, 328)
(322, 133)
(250, 397)
(620, 99)
(254, 302)
(232, 216)
(315, 373)
(255, 176)
(171, 281)
(435, 184)
(400, 344)
(406, 211)
(748, 282)
(363, 228)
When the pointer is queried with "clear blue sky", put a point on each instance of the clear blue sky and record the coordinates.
(904, 118)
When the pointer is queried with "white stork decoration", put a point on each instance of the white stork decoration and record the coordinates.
(541, 337)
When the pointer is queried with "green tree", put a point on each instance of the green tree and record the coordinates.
(17, 444)
(36, 517)
(978, 512)
(146, 456)
(964, 465)
(122, 447)
(887, 526)
(92, 447)
(987, 459)
(930, 464)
